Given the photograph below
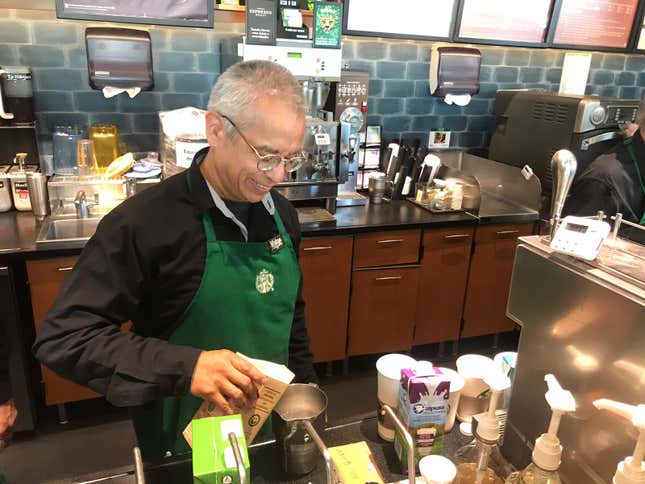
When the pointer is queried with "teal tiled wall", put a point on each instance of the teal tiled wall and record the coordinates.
(187, 62)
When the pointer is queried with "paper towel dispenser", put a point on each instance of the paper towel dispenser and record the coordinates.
(118, 57)
(454, 70)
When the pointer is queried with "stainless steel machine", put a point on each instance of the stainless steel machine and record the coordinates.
(531, 125)
(583, 321)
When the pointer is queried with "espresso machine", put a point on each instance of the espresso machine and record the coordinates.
(316, 182)
(17, 120)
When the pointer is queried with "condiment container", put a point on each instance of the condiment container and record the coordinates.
(5, 190)
(19, 188)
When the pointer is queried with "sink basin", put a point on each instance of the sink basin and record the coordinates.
(66, 233)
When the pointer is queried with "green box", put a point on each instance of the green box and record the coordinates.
(213, 458)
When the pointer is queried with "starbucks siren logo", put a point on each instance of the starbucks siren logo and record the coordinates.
(264, 282)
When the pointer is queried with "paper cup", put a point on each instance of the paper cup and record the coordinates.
(456, 384)
(475, 394)
(388, 368)
(437, 469)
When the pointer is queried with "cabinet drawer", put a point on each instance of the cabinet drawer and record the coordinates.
(386, 248)
(382, 310)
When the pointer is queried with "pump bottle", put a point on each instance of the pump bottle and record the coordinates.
(547, 451)
(632, 469)
(481, 462)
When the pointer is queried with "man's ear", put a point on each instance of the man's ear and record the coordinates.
(215, 129)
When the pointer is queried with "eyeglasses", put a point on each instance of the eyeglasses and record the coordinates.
(269, 162)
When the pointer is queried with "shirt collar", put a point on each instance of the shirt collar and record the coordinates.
(204, 198)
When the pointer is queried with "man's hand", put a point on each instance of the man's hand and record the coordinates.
(8, 414)
(227, 380)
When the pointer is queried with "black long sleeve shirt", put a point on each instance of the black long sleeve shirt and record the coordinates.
(5, 383)
(611, 184)
(145, 264)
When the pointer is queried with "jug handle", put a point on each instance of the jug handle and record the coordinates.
(3, 114)
(323, 449)
(239, 461)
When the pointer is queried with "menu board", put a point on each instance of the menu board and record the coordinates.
(595, 23)
(421, 19)
(505, 20)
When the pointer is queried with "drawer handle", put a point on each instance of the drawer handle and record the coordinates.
(320, 247)
(456, 236)
(507, 232)
(390, 241)
(389, 278)
(65, 269)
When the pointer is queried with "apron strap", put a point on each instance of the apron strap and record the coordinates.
(632, 154)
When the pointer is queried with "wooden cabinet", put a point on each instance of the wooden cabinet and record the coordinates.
(382, 310)
(490, 277)
(46, 276)
(326, 269)
(386, 248)
(442, 284)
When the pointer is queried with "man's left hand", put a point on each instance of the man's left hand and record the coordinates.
(8, 414)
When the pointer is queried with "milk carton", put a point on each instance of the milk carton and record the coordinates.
(423, 407)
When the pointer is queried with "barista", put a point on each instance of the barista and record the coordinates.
(204, 265)
(614, 182)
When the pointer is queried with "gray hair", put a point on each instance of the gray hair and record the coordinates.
(240, 87)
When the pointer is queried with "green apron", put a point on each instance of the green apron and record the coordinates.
(632, 154)
(245, 303)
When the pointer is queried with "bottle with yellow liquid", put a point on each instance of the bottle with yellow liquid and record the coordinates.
(481, 462)
(547, 451)
(106, 144)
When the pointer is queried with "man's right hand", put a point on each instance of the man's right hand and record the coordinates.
(226, 379)
(8, 414)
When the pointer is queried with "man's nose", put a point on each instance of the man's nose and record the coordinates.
(277, 174)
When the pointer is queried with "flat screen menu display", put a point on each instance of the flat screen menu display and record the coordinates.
(595, 23)
(403, 18)
(506, 20)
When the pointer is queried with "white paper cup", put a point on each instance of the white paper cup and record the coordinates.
(388, 368)
(437, 469)
(456, 384)
(475, 394)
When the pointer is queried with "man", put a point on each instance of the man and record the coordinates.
(614, 182)
(204, 265)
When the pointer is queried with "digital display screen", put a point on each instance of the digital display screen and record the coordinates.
(409, 18)
(581, 229)
(294, 55)
(595, 23)
(508, 20)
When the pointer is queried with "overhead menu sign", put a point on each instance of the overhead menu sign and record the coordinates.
(506, 20)
(595, 23)
(401, 18)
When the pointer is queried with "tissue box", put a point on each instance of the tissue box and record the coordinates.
(213, 457)
(269, 394)
(354, 464)
(423, 407)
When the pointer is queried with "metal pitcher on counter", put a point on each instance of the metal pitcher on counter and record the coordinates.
(298, 420)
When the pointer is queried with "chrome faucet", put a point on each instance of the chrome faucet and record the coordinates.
(83, 205)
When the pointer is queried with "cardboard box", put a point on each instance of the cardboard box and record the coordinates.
(423, 407)
(213, 457)
(354, 464)
(269, 394)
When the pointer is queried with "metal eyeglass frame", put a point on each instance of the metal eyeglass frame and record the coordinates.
(269, 162)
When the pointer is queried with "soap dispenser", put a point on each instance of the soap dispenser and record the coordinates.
(632, 469)
(481, 461)
(547, 451)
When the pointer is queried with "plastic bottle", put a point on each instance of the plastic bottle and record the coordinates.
(480, 461)
(547, 451)
(631, 470)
